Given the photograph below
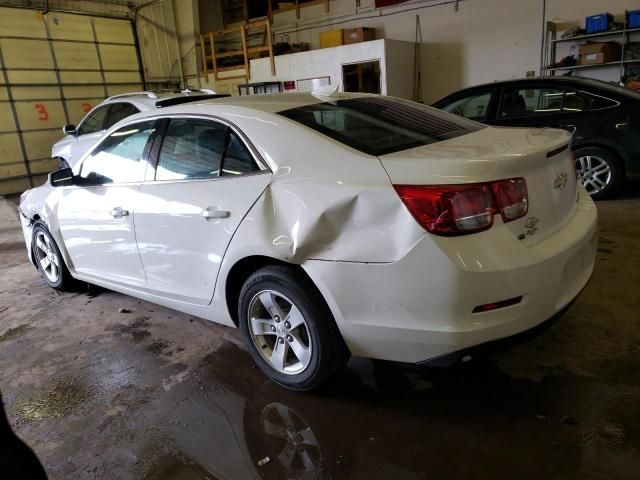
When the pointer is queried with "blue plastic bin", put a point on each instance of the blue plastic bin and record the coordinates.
(599, 23)
(633, 19)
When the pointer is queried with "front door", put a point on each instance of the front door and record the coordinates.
(97, 219)
(206, 180)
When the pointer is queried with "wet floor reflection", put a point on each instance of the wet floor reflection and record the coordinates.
(384, 420)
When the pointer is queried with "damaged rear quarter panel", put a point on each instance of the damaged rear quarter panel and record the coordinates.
(325, 201)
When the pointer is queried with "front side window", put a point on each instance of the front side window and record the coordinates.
(521, 102)
(380, 125)
(94, 122)
(474, 106)
(120, 111)
(118, 159)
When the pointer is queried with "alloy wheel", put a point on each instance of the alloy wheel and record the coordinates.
(594, 173)
(280, 332)
(47, 257)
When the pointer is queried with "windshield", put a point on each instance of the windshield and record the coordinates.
(381, 125)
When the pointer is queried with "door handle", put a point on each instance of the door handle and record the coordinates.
(214, 212)
(119, 212)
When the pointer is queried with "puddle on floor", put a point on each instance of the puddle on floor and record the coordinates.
(15, 332)
(178, 467)
(54, 400)
(137, 328)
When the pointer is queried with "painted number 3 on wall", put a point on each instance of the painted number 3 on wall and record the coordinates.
(43, 115)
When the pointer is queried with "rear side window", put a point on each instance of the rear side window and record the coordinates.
(576, 101)
(237, 159)
(598, 102)
(191, 149)
(381, 125)
(120, 111)
(118, 159)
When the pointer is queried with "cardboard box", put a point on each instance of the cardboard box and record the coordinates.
(601, 52)
(330, 38)
(357, 35)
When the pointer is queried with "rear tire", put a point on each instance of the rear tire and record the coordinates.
(291, 333)
(49, 260)
(599, 171)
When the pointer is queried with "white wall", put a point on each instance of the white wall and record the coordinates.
(485, 40)
(327, 62)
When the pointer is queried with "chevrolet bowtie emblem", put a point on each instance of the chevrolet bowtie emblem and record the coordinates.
(560, 181)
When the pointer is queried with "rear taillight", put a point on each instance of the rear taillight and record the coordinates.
(512, 197)
(467, 208)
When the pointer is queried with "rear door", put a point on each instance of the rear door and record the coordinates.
(205, 180)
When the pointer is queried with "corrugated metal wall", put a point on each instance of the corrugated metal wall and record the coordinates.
(158, 47)
(115, 8)
(54, 68)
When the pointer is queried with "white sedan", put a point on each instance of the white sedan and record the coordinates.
(324, 227)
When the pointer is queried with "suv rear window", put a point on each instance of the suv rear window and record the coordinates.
(381, 125)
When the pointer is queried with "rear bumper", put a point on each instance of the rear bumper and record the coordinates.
(420, 307)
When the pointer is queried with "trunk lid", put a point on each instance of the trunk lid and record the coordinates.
(537, 155)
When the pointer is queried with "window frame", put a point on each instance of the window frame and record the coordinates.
(160, 134)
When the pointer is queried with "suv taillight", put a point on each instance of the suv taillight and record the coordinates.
(467, 208)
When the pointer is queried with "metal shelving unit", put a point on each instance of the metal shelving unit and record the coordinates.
(551, 41)
(608, 64)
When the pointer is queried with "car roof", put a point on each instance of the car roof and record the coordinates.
(591, 84)
(278, 102)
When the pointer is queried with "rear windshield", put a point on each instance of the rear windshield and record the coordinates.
(381, 125)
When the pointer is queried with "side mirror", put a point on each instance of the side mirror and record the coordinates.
(61, 178)
(69, 130)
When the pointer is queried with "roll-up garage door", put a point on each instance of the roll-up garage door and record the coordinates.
(55, 68)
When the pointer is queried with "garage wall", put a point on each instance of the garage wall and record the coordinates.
(55, 68)
(113, 8)
(485, 40)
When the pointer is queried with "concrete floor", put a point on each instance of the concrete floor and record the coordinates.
(155, 394)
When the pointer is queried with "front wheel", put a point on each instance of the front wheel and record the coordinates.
(289, 328)
(49, 259)
(598, 171)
